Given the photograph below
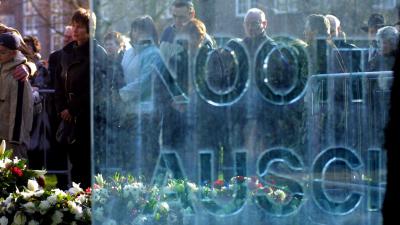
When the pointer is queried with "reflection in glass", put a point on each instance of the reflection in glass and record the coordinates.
(280, 123)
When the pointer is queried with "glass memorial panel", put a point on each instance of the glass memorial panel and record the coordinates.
(229, 119)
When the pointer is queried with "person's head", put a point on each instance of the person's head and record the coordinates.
(9, 44)
(68, 35)
(255, 22)
(182, 12)
(113, 43)
(23, 47)
(196, 31)
(317, 26)
(143, 29)
(82, 21)
(388, 39)
(375, 21)
(334, 23)
(33, 42)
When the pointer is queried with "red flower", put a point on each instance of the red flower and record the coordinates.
(240, 178)
(88, 190)
(16, 171)
(218, 184)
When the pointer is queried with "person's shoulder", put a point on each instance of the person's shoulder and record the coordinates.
(55, 55)
(128, 54)
(168, 34)
(69, 47)
(169, 28)
(344, 44)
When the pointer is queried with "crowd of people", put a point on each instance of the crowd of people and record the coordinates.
(138, 90)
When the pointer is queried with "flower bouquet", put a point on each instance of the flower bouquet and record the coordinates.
(34, 206)
(24, 201)
(14, 173)
(127, 200)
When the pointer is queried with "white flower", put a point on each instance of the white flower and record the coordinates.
(4, 162)
(19, 218)
(75, 209)
(2, 147)
(57, 217)
(59, 193)
(26, 195)
(75, 189)
(132, 190)
(33, 222)
(16, 160)
(52, 199)
(281, 195)
(29, 207)
(3, 220)
(44, 206)
(163, 207)
(33, 185)
(38, 193)
(192, 186)
(80, 199)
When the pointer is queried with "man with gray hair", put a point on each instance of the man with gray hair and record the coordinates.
(255, 26)
(335, 29)
(350, 53)
(255, 107)
(387, 39)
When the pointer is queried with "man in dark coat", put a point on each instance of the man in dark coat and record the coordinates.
(73, 91)
(350, 53)
(255, 26)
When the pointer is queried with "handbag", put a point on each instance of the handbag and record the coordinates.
(66, 133)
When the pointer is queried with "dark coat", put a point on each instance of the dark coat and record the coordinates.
(351, 55)
(381, 62)
(54, 65)
(73, 84)
(252, 44)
